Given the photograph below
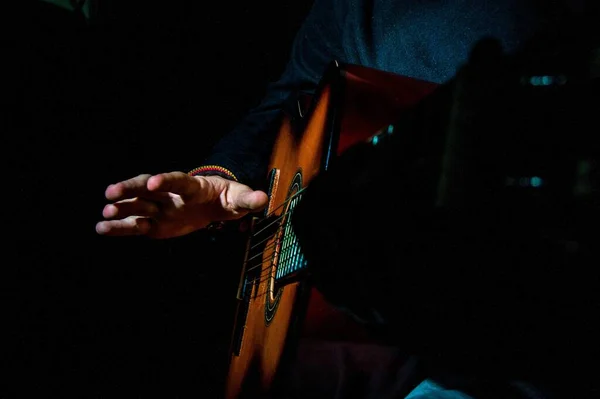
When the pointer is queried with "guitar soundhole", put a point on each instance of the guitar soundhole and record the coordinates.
(288, 258)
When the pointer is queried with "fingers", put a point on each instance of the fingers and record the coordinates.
(130, 217)
(130, 207)
(134, 187)
(152, 187)
(175, 182)
(129, 226)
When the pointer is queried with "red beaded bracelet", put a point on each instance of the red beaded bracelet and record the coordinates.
(214, 169)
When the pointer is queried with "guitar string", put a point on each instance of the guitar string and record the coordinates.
(251, 296)
(269, 246)
(269, 236)
(276, 242)
(249, 265)
(266, 217)
(251, 292)
(268, 289)
(259, 277)
(292, 245)
(255, 285)
(267, 273)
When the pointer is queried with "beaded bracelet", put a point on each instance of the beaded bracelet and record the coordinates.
(213, 169)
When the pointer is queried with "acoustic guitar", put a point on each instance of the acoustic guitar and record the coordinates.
(277, 305)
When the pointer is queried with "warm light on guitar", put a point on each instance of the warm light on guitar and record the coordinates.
(277, 305)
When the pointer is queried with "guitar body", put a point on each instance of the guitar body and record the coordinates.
(277, 305)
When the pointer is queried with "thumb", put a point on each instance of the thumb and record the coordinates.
(252, 200)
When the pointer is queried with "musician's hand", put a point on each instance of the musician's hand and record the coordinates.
(173, 204)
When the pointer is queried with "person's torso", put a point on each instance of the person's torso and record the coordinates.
(429, 39)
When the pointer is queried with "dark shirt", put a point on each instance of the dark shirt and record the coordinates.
(428, 40)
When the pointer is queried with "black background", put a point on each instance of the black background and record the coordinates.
(147, 88)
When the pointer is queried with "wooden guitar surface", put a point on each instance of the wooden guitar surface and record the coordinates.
(351, 104)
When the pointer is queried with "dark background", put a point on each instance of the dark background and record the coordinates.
(147, 87)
